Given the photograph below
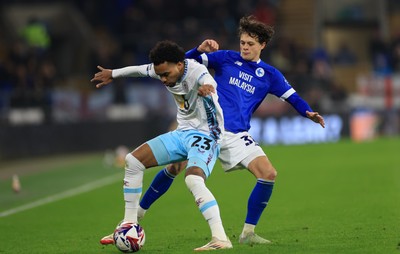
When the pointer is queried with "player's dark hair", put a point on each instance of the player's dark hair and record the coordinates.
(256, 29)
(166, 51)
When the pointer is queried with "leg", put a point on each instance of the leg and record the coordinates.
(164, 179)
(136, 162)
(208, 206)
(265, 173)
(161, 183)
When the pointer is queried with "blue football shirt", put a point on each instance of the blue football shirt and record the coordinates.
(243, 85)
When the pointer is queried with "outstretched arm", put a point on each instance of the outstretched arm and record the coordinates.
(106, 76)
(304, 109)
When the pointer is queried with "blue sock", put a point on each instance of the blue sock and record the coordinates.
(158, 187)
(258, 200)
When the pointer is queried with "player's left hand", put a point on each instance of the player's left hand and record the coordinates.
(205, 90)
(316, 117)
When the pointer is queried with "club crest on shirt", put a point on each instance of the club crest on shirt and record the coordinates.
(260, 72)
(185, 86)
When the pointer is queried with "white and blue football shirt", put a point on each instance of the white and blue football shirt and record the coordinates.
(194, 111)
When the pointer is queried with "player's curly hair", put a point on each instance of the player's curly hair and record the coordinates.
(256, 29)
(166, 51)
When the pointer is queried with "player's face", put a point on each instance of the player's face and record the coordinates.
(250, 48)
(169, 73)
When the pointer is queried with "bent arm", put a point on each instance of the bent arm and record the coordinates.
(207, 46)
(194, 54)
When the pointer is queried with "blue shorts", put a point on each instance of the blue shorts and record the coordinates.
(199, 149)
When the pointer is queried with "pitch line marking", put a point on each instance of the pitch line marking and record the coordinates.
(66, 194)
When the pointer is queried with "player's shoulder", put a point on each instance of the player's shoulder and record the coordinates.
(194, 65)
(267, 66)
(229, 54)
(224, 54)
(192, 62)
(271, 70)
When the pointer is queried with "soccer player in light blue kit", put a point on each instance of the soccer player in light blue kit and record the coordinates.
(244, 81)
(196, 139)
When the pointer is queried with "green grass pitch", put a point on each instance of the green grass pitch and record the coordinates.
(328, 198)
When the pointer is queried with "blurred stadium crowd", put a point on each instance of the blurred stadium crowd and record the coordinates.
(47, 64)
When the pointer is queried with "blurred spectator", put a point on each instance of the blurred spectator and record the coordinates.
(106, 48)
(377, 45)
(321, 71)
(283, 55)
(266, 12)
(31, 77)
(337, 93)
(124, 30)
(379, 54)
(395, 53)
(36, 35)
(321, 68)
(381, 64)
(300, 77)
(344, 55)
(351, 11)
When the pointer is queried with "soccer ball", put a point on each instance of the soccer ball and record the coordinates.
(129, 237)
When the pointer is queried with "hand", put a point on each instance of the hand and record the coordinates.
(205, 90)
(208, 46)
(317, 118)
(104, 76)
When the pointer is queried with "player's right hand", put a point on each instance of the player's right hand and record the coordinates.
(104, 76)
(208, 46)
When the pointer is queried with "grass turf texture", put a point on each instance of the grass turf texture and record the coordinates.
(329, 198)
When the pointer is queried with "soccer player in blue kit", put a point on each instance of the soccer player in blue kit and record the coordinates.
(244, 80)
(196, 139)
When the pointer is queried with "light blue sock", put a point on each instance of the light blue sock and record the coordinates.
(258, 200)
(161, 183)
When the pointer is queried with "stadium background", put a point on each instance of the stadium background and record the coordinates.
(62, 142)
(343, 57)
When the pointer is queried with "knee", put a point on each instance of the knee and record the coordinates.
(132, 163)
(263, 169)
(271, 174)
(195, 171)
(176, 168)
(192, 180)
(267, 173)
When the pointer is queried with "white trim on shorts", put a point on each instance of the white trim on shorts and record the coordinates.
(238, 150)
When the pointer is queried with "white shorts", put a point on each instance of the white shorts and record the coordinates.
(238, 150)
